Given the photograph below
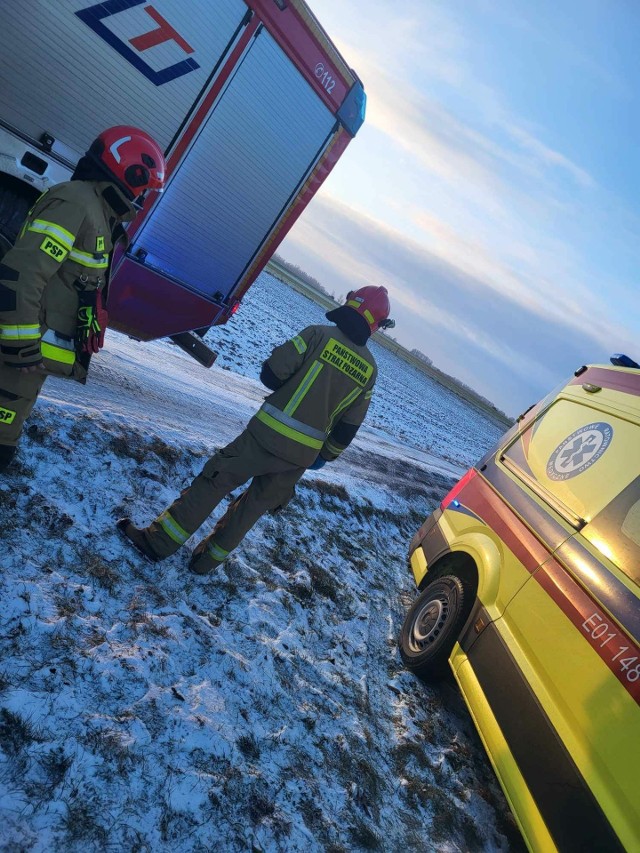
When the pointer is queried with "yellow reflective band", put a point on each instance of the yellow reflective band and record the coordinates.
(19, 333)
(94, 262)
(216, 552)
(299, 394)
(333, 449)
(57, 232)
(52, 248)
(99, 244)
(289, 432)
(369, 317)
(343, 405)
(353, 304)
(61, 354)
(299, 344)
(6, 416)
(172, 528)
(368, 394)
(346, 360)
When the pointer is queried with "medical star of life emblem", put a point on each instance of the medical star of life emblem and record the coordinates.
(579, 451)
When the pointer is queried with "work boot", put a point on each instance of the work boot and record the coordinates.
(201, 562)
(135, 536)
(7, 452)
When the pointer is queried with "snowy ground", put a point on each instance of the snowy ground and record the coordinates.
(264, 709)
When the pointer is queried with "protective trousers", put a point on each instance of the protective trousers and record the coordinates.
(18, 394)
(271, 488)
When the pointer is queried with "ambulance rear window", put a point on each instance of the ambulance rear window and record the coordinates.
(616, 531)
(578, 458)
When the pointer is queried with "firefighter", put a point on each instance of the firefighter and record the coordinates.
(53, 282)
(322, 381)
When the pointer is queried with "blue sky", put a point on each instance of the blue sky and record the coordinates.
(494, 186)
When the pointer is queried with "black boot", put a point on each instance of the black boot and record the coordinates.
(7, 452)
(136, 537)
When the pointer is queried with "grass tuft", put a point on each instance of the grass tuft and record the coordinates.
(80, 822)
(248, 746)
(16, 733)
(323, 583)
(364, 837)
(55, 765)
(105, 576)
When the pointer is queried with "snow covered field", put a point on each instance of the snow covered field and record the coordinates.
(263, 709)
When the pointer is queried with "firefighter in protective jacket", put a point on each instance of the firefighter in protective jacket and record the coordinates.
(322, 381)
(53, 282)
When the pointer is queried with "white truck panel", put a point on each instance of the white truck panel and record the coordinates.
(252, 154)
(61, 76)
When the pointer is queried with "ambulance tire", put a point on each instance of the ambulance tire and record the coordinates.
(15, 200)
(432, 626)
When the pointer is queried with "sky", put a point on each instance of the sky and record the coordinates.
(493, 188)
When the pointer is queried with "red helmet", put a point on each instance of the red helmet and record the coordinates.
(131, 157)
(372, 303)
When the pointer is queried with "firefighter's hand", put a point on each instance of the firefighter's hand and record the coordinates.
(92, 322)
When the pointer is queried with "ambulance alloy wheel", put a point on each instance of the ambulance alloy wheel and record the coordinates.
(432, 626)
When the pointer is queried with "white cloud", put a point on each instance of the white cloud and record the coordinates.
(456, 186)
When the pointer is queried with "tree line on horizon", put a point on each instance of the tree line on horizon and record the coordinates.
(294, 269)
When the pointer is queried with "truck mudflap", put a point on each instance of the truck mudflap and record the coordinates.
(192, 344)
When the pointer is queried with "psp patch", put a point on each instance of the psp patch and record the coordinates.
(6, 416)
(53, 248)
(579, 451)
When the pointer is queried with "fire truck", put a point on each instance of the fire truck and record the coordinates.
(251, 101)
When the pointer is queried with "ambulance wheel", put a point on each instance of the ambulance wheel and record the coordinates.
(15, 200)
(432, 626)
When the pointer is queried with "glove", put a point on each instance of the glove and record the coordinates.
(318, 464)
(92, 321)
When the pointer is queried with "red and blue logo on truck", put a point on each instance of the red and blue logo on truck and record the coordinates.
(94, 16)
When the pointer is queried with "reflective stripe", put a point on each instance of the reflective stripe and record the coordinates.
(41, 226)
(172, 528)
(300, 426)
(56, 353)
(369, 317)
(31, 209)
(94, 262)
(281, 424)
(299, 344)
(343, 405)
(216, 552)
(353, 304)
(56, 347)
(333, 449)
(18, 333)
(302, 389)
(368, 394)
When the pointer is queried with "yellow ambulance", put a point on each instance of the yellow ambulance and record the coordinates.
(529, 579)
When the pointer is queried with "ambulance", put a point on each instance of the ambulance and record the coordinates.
(529, 580)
